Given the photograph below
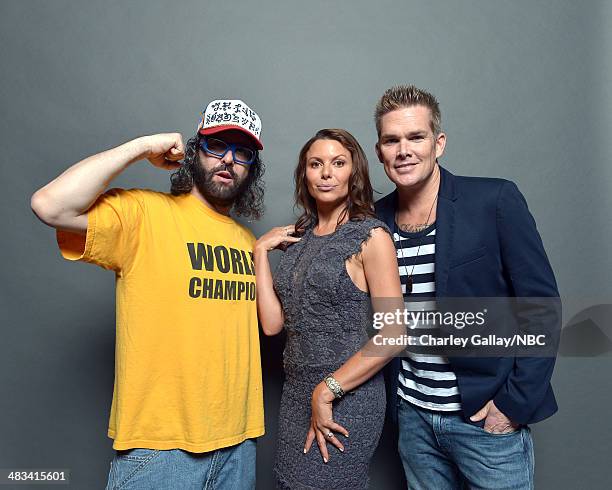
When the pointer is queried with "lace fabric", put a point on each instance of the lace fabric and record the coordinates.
(326, 318)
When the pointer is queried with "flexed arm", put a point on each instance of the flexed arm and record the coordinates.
(269, 308)
(63, 203)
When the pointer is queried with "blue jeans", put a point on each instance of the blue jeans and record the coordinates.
(443, 451)
(227, 468)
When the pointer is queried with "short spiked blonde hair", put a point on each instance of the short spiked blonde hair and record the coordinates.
(402, 96)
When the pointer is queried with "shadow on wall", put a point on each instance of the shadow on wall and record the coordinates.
(588, 333)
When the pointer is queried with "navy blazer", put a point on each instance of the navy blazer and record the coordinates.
(487, 245)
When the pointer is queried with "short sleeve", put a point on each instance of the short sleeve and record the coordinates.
(113, 223)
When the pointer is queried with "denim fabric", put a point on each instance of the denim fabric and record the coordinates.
(442, 451)
(227, 468)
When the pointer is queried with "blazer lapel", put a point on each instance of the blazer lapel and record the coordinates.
(388, 206)
(445, 229)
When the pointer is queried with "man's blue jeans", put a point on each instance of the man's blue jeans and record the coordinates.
(228, 468)
(442, 451)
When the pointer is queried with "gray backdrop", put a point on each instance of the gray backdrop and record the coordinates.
(525, 90)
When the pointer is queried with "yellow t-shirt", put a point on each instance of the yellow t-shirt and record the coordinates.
(187, 362)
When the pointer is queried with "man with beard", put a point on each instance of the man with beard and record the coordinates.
(187, 401)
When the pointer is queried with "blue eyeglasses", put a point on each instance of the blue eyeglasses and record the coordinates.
(218, 148)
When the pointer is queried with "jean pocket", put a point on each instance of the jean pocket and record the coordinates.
(130, 464)
(496, 434)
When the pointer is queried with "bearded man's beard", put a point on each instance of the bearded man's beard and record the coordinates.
(214, 192)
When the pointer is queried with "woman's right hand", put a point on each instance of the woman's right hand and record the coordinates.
(279, 238)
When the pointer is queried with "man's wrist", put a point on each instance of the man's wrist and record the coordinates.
(138, 149)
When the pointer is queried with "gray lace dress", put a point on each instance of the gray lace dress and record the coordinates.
(326, 319)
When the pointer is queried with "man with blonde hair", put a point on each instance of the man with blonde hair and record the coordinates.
(462, 420)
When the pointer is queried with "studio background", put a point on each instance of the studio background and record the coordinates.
(525, 91)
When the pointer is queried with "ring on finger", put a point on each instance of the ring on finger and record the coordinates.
(330, 435)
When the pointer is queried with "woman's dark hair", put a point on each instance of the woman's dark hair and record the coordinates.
(360, 199)
(248, 204)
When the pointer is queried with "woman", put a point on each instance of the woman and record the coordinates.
(322, 293)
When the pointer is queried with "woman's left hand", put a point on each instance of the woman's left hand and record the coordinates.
(322, 425)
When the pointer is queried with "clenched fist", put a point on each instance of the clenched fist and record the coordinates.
(164, 150)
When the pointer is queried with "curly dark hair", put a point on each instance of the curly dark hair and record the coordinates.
(360, 199)
(249, 204)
